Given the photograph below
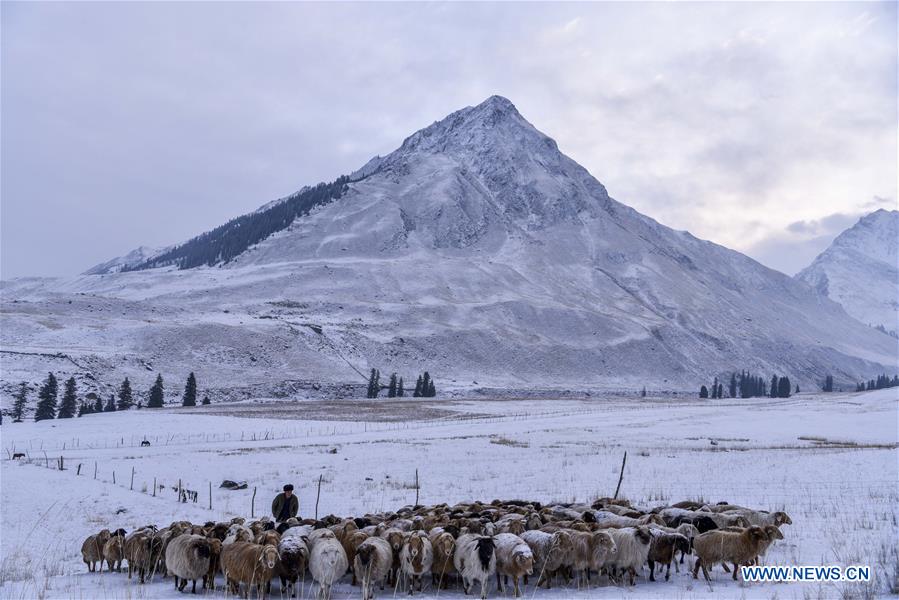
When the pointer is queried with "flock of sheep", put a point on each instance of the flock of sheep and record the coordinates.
(469, 543)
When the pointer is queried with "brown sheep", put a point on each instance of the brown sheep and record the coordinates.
(114, 552)
(92, 549)
(268, 538)
(215, 557)
(662, 549)
(442, 567)
(739, 548)
(350, 543)
(250, 564)
(142, 550)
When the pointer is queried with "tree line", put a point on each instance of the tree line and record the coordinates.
(882, 381)
(49, 406)
(424, 386)
(748, 385)
(227, 241)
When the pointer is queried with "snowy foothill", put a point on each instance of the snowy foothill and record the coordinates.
(828, 460)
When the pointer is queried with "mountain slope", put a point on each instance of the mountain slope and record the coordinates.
(476, 250)
(860, 270)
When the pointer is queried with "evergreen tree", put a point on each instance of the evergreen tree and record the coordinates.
(46, 403)
(425, 384)
(774, 381)
(400, 392)
(796, 391)
(69, 403)
(190, 391)
(733, 385)
(18, 407)
(721, 390)
(417, 393)
(643, 392)
(81, 409)
(715, 388)
(374, 383)
(828, 384)
(783, 387)
(432, 391)
(98, 405)
(205, 400)
(110, 405)
(157, 394)
(391, 389)
(703, 392)
(126, 401)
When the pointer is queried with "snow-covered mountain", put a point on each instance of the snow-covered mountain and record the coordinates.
(860, 270)
(119, 263)
(476, 250)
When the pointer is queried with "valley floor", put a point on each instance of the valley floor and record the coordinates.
(830, 461)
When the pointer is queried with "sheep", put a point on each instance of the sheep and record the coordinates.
(142, 549)
(187, 557)
(250, 564)
(662, 549)
(350, 543)
(631, 551)
(609, 519)
(739, 548)
(772, 534)
(293, 554)
(444, 547)
(238, 533)
(114, 552)
(372, 564)
(475, 560)
(759, 518)
(92, 549)
(551, 551)
(396, 538)
(416, 559)
(268, 538)
(589, 551)
(327, 560)
(514, 559)
(215, 558)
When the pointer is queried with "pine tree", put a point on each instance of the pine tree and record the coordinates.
(46, 404)
(721, 390)
(703, 392)
(98, 405)
(733, 385)
(205, 400)
(432, 391)
(783, 387)
(190, 391)
(18, 407)
(374, 383)
(110, 405)
(796, 391)
(400, 392)
(81, 409)
(126, 401)
(828, 384)
(643, 392)
(391, 389)
(715, 388)
(417, 393)
(69, 403)
(157, 394)
(425, 384)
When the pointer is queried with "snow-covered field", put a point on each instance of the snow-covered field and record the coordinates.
(830, 461)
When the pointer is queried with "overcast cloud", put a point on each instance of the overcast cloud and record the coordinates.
(764, 127)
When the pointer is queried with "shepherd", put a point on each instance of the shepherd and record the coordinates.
(285, 505)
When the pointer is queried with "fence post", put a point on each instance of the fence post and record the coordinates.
(253, 504)
(132, 479)
(113, 477)
(154, 487)
(417, 487)
(179, 490)
(210, 495)
(318, 495)
(621, 476)
(78, 471)
(95, 469)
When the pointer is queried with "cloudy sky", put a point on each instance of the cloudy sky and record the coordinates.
(764, 127)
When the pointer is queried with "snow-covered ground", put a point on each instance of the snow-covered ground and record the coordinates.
(830, 461)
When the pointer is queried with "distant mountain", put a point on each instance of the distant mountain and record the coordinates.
(860, 270)
(123, 263)
(477, 251)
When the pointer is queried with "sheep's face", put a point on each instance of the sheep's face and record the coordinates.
(446, 543)
(364, 552)
(395, 539)
(415, 546)
(773, 533)
(642, 534)
(781, 518)
(203, 550)
(269, 557)
(756, 534)
(525, 562)
(563, 542)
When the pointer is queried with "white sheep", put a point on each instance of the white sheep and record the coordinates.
(631, 551)
(187, 557)
(372, 564)
(551, 551)
(327, 560)
(475, 560)
(514, 559)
